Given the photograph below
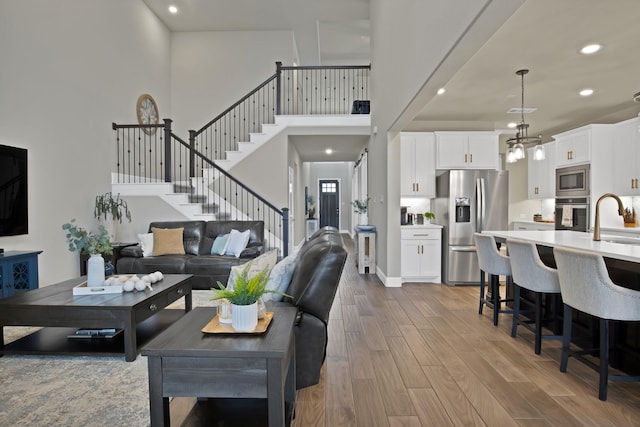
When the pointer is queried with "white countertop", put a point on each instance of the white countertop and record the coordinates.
(628, 249)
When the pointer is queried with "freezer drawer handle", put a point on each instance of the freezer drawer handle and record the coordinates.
(463, 249)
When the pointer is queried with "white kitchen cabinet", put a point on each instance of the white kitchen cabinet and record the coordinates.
(542, 173)
(418, 166)
(625, 158)
(532, 225)
(467, 150)
(421, 253)
(576, 146)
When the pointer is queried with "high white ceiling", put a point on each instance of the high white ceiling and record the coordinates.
(543, 36)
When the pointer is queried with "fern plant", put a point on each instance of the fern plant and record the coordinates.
(246, 290)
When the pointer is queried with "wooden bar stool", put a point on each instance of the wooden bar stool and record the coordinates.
(586, 286)
(493, 263)
(530, 273)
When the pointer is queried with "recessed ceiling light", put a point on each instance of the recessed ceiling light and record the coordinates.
(441, 91)
(586, 92)
(173, 9)
(512, 125)
(590, 48)
(328, 151)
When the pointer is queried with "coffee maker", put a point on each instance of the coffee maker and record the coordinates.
(405, 218)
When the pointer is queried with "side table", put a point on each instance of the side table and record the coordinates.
(18, 272)
(185, 362)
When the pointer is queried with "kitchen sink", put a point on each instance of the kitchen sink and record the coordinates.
(622, 240)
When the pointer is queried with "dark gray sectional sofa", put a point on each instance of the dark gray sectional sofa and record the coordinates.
(198, 239)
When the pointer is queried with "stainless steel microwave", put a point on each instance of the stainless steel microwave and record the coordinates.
(573, 181)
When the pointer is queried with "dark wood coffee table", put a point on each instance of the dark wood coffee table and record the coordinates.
(184, 362)
(139, 314)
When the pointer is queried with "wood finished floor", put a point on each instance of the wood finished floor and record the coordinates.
(421, 355)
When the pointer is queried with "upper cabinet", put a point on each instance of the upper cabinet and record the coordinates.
(542, 173)
(573, 147)
(625, 154)
(418, 166)
(467, 150)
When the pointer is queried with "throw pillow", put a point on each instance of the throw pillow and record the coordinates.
(237, 242)
(167, 241)
(280, 278)
(146, 243)
(220, 244)
(264, 261)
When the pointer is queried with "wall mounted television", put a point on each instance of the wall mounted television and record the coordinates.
(14, 212)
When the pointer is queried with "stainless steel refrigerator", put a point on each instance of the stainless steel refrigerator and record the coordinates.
(468, 201)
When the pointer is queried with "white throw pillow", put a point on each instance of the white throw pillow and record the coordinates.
(237, 242)
(220, 244)
(258, 264)
(146, 243)
(280, 278)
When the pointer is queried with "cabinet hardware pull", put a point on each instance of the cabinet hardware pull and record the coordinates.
(465, 158)
(418, 235)
(180, 291)
(417, 187)
(470, 158)
(153, 307)
(632, 186)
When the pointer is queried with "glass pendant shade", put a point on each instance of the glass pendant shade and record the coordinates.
(518, 150)
(511, 155)
(538, 152)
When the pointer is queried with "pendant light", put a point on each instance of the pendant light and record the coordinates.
(516, 144)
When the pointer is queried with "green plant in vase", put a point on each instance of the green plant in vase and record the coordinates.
(429, 216)
(92, 244)
(110, 209)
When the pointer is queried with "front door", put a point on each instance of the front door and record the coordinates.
(329, 199)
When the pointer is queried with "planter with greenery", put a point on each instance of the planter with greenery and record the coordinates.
(429, 216)
(244, 298)
(110, 210)
(89, 243)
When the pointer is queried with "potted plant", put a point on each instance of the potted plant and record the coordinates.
(360, 206)
(428, 217)
(244, 298)
(92, 244)
(312, 207)
(109, 209)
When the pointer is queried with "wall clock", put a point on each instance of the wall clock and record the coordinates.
(147, 111)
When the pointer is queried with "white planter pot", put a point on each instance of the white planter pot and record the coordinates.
(244, 318)
(95, 270)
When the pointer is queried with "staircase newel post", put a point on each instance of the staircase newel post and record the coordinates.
(192, 153)
(167, 150)
(278, 87)
(285, 232)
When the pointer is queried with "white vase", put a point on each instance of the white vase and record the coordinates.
(95, 270)
(244, 318)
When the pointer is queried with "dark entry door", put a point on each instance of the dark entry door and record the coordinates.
(329, 192)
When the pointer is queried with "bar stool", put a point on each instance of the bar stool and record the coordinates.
(495, 265)
(530, 273)
(586, 286)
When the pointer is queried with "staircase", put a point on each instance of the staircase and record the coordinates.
(195, 177)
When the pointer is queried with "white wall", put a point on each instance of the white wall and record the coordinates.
(415, 45)
(210, 71)
(69, 69)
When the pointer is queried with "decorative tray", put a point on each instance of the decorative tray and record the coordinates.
(83, 289)
(215, 327)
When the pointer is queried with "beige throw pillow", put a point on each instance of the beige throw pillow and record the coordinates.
(167, 241)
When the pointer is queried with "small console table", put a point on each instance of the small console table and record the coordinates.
(18, 272)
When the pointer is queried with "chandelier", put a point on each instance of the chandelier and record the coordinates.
(516, 144)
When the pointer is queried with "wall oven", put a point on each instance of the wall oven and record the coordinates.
(572, 213)
(573, 181)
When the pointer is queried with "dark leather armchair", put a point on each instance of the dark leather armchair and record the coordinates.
(313, 287)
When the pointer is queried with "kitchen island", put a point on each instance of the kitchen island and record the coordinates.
(622, 258)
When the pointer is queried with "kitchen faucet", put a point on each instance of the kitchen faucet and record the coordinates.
(596, 228)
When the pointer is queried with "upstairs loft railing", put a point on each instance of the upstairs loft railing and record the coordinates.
(311, 90)
(152, 153)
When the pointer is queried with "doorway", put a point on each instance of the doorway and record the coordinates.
(329, 202)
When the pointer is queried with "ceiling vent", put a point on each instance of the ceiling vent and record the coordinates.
(518, 110)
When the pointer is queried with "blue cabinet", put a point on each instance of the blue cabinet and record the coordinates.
(18, 272)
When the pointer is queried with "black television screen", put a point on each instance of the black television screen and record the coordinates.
(14, 218)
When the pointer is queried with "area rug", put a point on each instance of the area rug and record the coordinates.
(76, 390)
